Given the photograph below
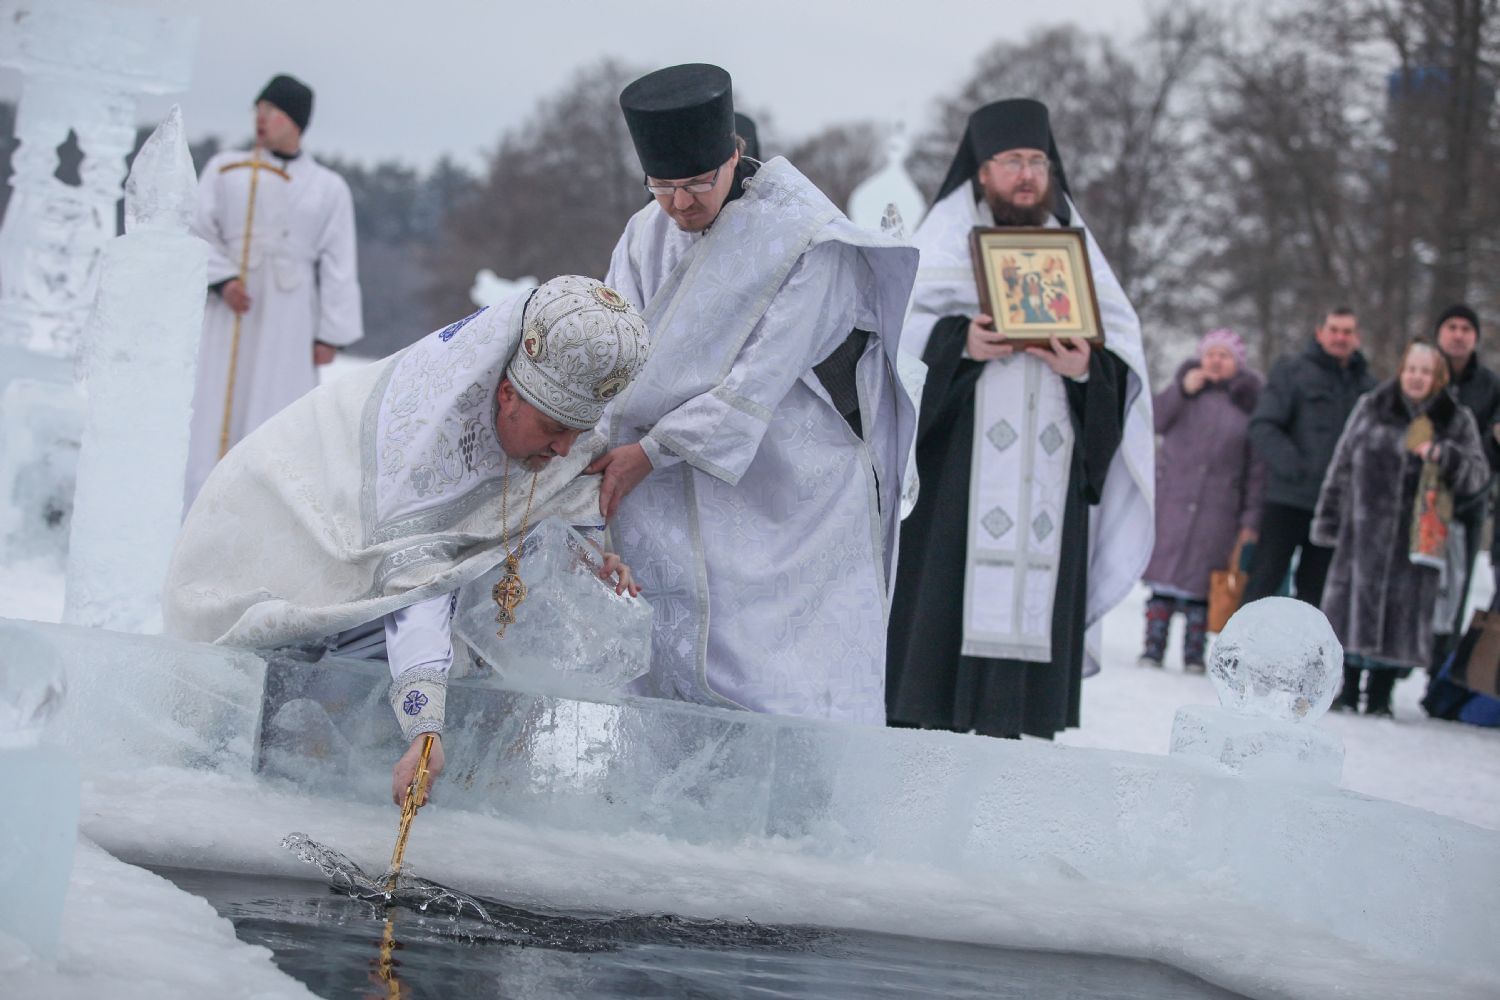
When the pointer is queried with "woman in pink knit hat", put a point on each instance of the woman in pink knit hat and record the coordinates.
(1208, 489)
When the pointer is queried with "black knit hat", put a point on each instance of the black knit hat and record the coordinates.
(290, 95)
(1459, 311)
(681, 120)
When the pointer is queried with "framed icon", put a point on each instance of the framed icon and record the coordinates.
(1036, 282)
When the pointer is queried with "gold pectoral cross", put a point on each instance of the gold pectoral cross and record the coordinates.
(508, 593)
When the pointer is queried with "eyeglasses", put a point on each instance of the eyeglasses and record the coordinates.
(1013, 165)
(691, 187)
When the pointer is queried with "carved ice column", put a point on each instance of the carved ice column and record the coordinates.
(144, 331)
(83, 63)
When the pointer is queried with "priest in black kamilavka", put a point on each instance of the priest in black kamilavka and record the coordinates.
(1036, 464)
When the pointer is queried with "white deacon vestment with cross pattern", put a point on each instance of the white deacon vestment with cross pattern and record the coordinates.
(765, 536)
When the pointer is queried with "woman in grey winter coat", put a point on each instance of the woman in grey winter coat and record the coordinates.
(1378, 600)
(1208, 488)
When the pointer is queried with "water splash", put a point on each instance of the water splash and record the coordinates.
(347, 877)
(492, 922)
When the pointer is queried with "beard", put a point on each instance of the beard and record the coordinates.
(1008, 213)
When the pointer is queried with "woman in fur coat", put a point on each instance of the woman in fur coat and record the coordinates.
(1208, 489)
(1377, 598)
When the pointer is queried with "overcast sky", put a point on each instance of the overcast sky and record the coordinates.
(414, 80)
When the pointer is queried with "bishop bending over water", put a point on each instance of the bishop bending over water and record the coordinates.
(354, 515)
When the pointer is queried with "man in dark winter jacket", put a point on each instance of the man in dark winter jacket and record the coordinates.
(1478, 389)
(1295, 427)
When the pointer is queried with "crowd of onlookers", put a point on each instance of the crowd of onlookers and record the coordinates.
(1365, 498)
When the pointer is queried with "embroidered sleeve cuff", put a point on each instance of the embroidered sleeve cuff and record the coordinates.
(659, 456)
(419, 698)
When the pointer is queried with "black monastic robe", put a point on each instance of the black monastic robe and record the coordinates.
(929, 683)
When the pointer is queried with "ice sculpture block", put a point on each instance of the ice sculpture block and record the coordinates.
(137, 701)
(866, 795)
(688, 771)
(39, 795)
(1276, 667)
(1293, 854)
(144, 330)
(32, 688)
(573, 635)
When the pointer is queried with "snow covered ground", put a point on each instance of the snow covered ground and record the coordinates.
(130, 934)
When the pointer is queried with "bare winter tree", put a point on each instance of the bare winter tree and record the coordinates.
(1287, 180)
(558, 193)
(1443, 96)
(837, 158)
(1348, 143)
(398, 216)
(7, 147)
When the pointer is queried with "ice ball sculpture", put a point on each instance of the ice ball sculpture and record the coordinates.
(1276, 668)
(1278, 658)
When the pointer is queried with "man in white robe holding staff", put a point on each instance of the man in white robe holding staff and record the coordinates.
(283, 289)
(755, 470)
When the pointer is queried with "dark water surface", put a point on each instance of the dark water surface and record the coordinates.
(333, 943)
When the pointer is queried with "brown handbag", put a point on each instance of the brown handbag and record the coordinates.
(1226, 588)
(1478, 667)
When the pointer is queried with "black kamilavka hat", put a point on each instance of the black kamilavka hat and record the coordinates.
(1019, 123)
(290, 95)
(681, 120)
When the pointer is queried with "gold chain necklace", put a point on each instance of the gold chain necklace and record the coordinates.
(509, 591)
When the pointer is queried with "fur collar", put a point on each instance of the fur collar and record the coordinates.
(1391, 408)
